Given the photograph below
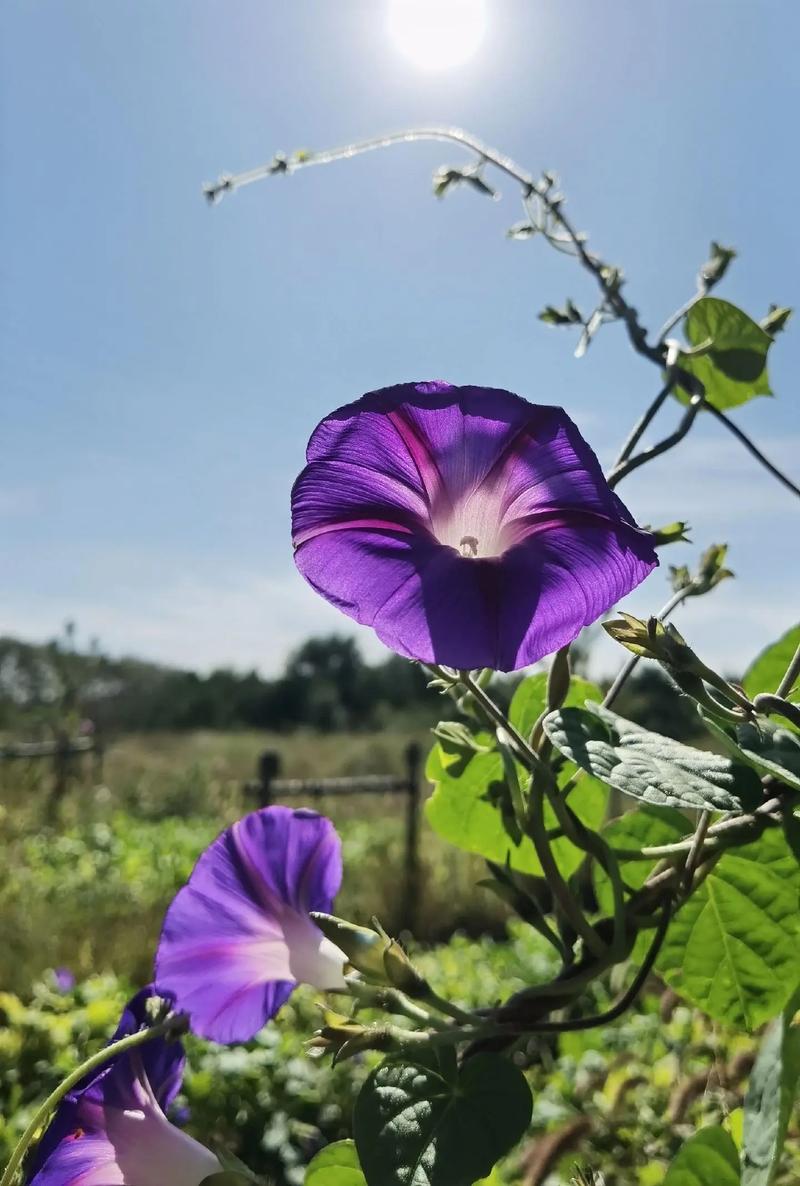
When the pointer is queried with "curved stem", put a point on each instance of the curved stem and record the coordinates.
(679, 314)
(716, 836)
(628, 997)
(663, 446)
(171, 1027)
(558, 886)
(640, 428)
(790, 676)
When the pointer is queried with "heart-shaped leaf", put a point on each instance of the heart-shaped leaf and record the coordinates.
(428, 1123)
(335, 1165)
(648, 766)
(734, 368)
(766, 671)
(734, 947)
(709, 1158)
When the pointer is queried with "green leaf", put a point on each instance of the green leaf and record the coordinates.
(427, 1123)
(630, 833)
(769, 1099)
(335, 1165)
(461, 813)
(464, 812)
(530, 700)
(734, 947)
(766, 747)
(766, 671)
(734, 369)
(709, 1158)
(648, 766)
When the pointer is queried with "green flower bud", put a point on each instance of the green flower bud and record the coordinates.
(401, 972)
(363, 947)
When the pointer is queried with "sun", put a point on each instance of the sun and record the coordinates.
(437, 34)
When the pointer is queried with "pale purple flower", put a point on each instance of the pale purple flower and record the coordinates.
(112, 1130)
(64, 979)
(466, 526)
(238, 938)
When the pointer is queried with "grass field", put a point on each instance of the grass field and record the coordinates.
(89, 891)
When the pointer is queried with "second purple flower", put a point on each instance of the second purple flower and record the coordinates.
(466, 526)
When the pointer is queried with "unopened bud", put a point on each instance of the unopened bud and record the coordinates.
(363, 947)
(402, 973)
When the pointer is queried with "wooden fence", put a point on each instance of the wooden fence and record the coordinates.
(63, 753)
(269, 787)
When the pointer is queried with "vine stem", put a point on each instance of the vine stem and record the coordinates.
(641, 426)
(628, 997)
(171, 1027)
(753, 449)
(537, 830)
(714, 839)
(790, 676)
(657, 353)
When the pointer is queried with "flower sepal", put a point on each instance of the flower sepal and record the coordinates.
(363, 947)
(402, 974)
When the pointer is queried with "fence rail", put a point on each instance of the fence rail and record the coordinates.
(62, 752)
(269, 787)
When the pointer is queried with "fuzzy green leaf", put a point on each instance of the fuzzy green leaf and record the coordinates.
(428, 1123)
(648, 766)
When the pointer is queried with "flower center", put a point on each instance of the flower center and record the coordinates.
(473, 525)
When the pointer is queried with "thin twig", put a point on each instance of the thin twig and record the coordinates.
(663, 446)
(617, 304)
(640, 428)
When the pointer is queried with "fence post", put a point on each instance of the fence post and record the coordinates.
(413, 757)
(269, 767)
(61, 773)
(98, 755)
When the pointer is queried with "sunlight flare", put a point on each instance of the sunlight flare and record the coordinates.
(437, 34)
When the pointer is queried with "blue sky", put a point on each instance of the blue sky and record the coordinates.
(163, 362)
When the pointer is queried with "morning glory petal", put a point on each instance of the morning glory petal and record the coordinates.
(111, 1130)
(478, 531)
(238, 938)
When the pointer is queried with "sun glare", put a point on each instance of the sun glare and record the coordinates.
(437, 34)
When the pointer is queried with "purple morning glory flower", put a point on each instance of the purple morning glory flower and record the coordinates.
(112, 1130)
(465, 525)
(238, 938)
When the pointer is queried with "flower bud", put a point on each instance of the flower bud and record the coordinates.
(402, 973)
(363, 947)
